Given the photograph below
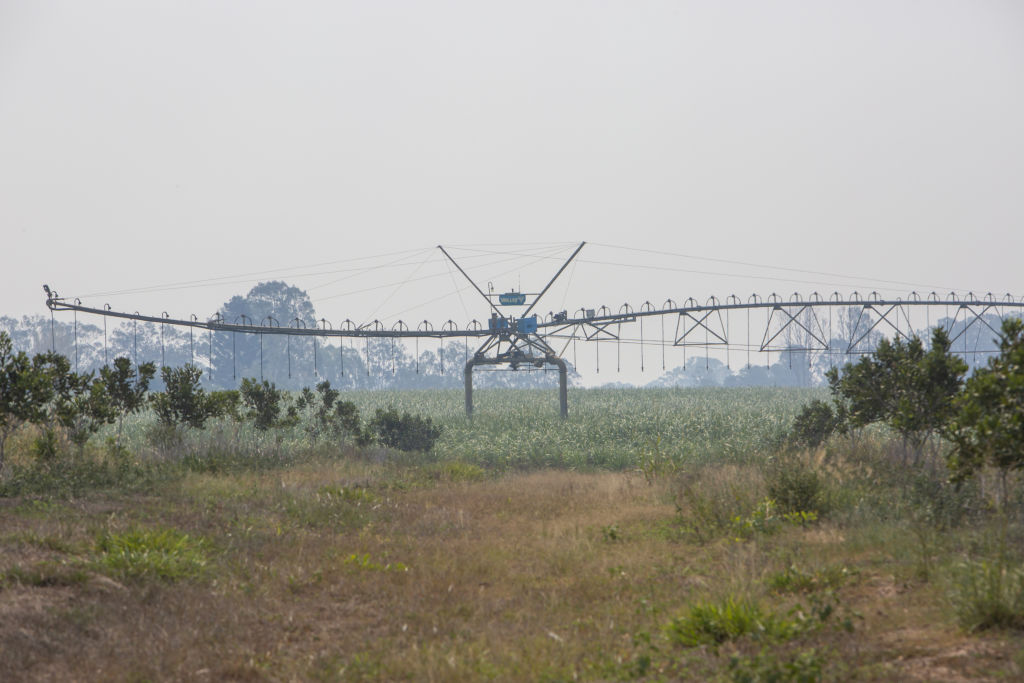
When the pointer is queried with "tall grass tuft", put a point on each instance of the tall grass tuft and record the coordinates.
(795, 485)
(987, 594)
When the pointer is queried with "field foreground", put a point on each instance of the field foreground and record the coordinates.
(347, 571)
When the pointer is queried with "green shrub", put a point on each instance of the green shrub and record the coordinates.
(795, 485)
(903, 385)
(263, 402)
(126, 386)
(69, 477)
(404, 432)
(183, 401)
(225, 403)
(364, 562)
(987, 423)
(46, 446)
(815, 423)
(709, 623)
(24, 391)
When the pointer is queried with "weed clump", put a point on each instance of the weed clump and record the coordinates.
(162, 554)
(710, 499)
(714, 623)
(988, 595)
(795, 580)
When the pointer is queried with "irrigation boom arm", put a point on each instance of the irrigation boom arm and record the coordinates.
(55, 303)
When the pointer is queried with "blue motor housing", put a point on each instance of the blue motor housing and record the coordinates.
(527, 325)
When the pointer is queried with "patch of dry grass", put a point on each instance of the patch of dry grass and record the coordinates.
(355, 571)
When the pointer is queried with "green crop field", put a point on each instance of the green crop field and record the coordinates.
(614, 429)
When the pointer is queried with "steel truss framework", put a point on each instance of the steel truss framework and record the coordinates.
(529, 342)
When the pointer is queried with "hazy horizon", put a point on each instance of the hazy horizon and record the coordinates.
(698, 147)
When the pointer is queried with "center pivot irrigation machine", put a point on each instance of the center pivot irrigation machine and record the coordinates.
(516, 337)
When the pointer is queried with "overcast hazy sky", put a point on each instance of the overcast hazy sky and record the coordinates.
(144, 143)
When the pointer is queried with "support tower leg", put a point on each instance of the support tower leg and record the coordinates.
(563, 381)
(468, 372)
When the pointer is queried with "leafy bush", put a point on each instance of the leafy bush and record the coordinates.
(183, 401)
(365, 563)
(24, 391)
(902, 385)
(263, 401)
(987, 427)
(46, 446)
(88, 411)
(126, 386)
(225, 403)
(405, 432)
(795, 485)
(327, 416)
(815, 423)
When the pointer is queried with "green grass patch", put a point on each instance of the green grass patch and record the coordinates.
(162, 554)
(715, 623)
(365, 562)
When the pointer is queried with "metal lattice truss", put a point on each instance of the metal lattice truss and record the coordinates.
(809, 321)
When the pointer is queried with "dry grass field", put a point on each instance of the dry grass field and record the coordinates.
(345, 569)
